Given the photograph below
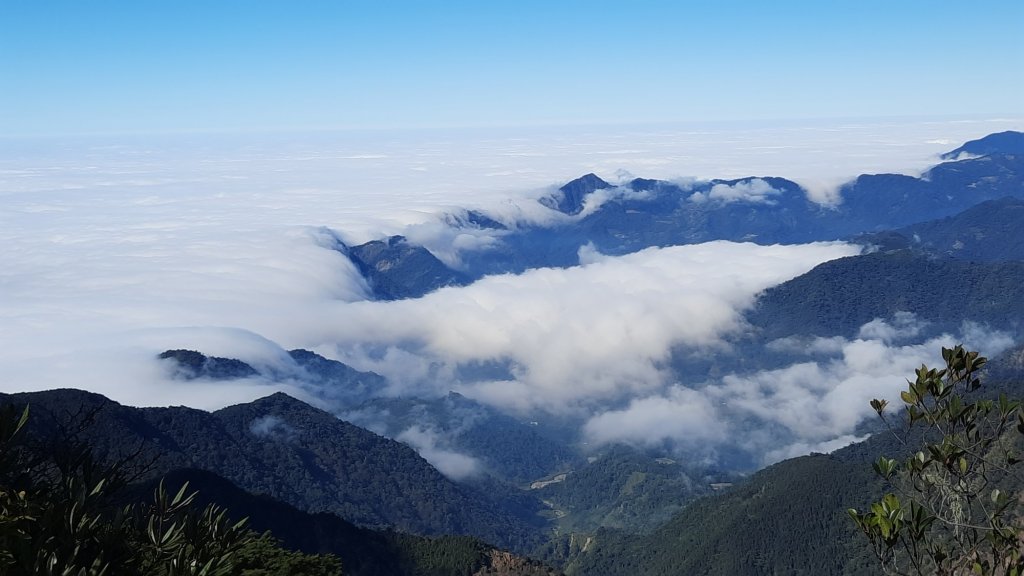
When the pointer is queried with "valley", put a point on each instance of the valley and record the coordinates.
(719, 451)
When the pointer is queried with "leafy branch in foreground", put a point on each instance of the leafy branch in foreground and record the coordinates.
(950, 511)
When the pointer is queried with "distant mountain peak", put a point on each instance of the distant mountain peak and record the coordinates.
(589, 181)
(283, 401)
(190, 364)
(1009, 142)
(569, 198)
(279, 397)
(395, 268)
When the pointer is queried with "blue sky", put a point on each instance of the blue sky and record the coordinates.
(148, 66)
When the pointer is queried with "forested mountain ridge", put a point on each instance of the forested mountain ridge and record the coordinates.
(787, 519)
(1008, 142)
(837, 297)
(363, 552)
(80, 508)
(506, 447)
(624, 488)
(992, 230)
(289, 450)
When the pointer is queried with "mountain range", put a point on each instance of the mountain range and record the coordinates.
(641, 213)
(456, 477)
(294, 452)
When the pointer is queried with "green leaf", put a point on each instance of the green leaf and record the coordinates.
(22, 420)
(884, 467)
(180, 495)
(98, 487)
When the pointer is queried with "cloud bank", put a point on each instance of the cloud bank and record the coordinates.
(815, 405)
(571, 336)
(116, 249)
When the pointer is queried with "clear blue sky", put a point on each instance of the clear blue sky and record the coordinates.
(140, 65)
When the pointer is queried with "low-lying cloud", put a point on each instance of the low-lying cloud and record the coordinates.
(118, 249)
(752, 191)
(429, 444)
(573, 336)
(272, 427)
(814, 405)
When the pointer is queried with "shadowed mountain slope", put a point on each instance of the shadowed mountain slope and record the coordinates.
(293, 452)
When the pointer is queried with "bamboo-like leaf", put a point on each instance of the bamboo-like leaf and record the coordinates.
(180, 495)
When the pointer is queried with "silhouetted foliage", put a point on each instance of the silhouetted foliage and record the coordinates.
(301, 455)
(58, 515)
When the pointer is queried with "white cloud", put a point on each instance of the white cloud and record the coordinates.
(824, 190)
(805, 345)
(753, 191)
(271, 426)
(682, 415)
(593, 201)
(802, 448)
(116, 250)
(574, 335)
(452, 464)
(784, 412)
(903, 326)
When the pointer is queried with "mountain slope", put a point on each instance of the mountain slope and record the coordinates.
(363, 552)
(644, 213)
(507, 448)
(299, 454)
(990, 231)
(1008, 142)
(623, 488)
(837, 297)
(569, 198)
(789, 518)
(395, 269)
(336, 381)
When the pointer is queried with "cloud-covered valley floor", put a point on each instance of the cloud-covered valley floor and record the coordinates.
(117, 250)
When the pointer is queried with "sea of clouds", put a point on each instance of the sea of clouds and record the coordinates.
(117, 248)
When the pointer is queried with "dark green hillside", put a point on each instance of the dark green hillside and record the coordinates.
(837, 297)
(296, 453)
(787, 519)
(363, 552)
(623, 489)
(990, 231)
(65, 511)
